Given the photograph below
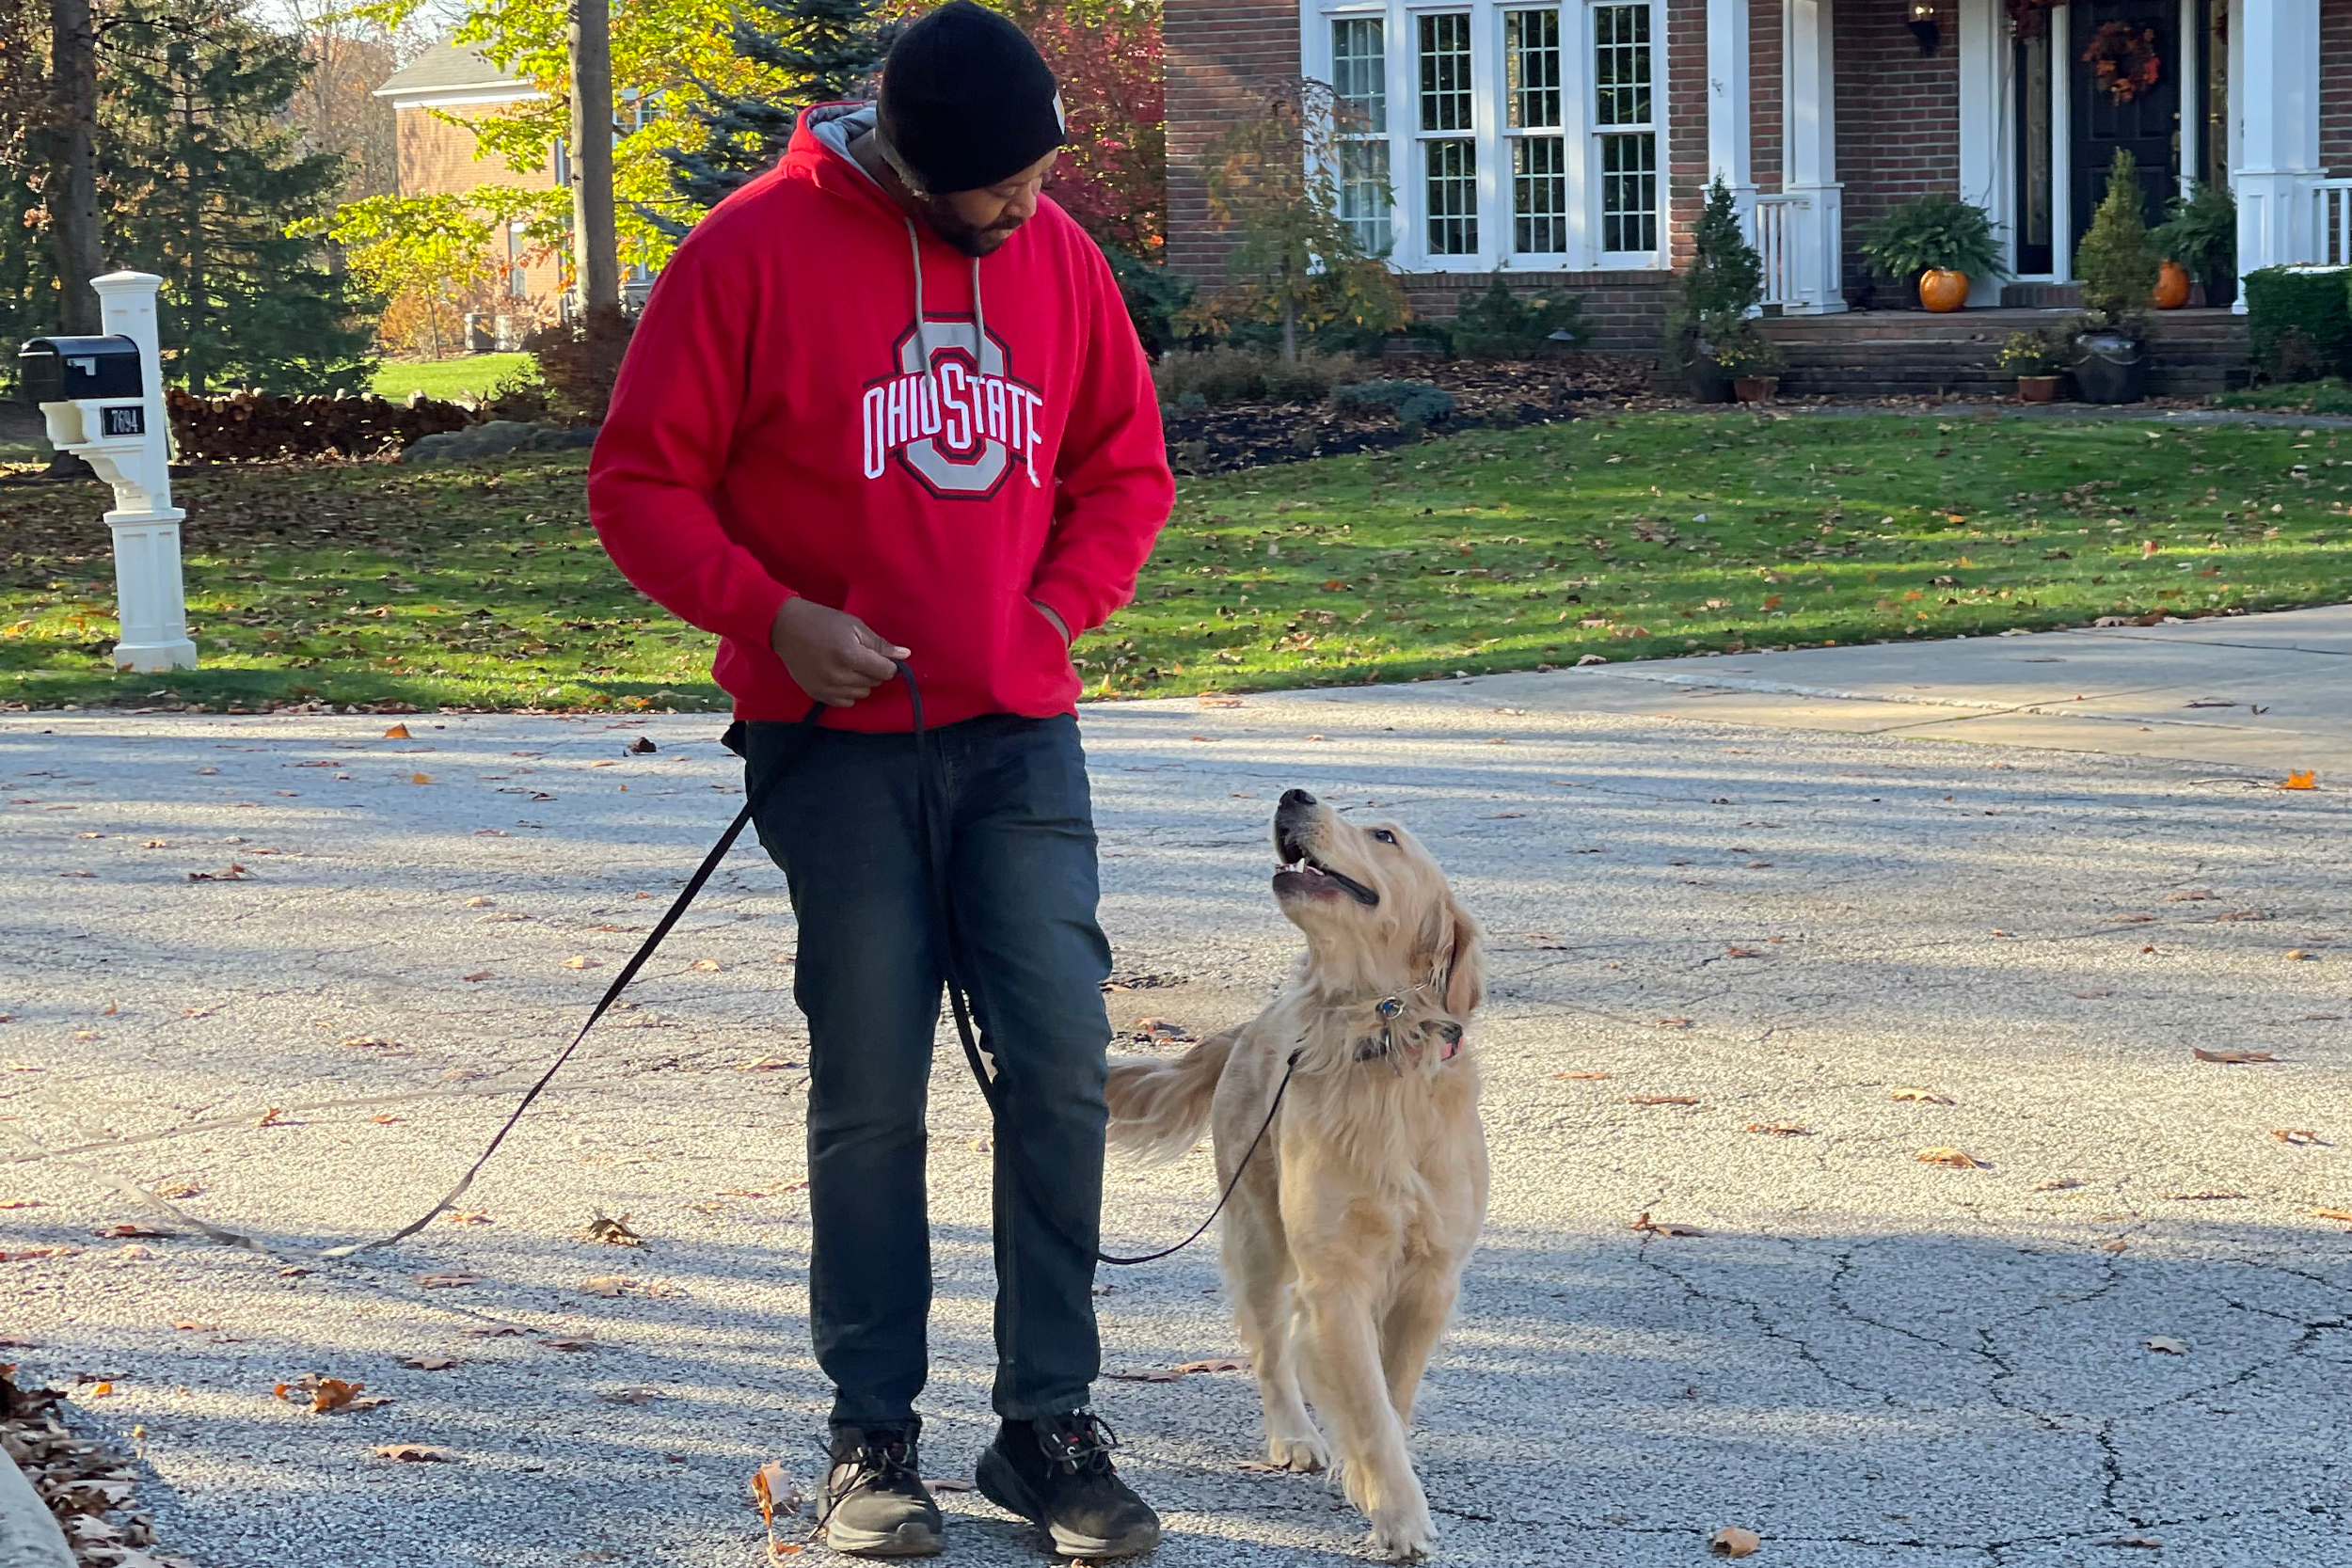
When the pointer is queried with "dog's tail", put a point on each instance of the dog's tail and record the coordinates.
(1160, 1108)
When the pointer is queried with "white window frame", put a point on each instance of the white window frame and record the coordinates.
(1385, 138)
(1490, 137)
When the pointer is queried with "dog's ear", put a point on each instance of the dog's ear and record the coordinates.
(1460, 966)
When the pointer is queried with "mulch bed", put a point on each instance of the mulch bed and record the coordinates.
(1486, 396)
(86, 1485)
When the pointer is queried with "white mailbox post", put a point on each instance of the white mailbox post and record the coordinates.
(104, 400)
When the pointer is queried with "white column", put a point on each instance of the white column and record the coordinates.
(1809, 139)
(2274, 92)
(149, 600)
(1981, 39)
(1728, 156)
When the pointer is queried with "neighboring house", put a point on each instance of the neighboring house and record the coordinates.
(430, 96)
(1571, 143)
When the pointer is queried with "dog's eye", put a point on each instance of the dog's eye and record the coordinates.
(1384, 835)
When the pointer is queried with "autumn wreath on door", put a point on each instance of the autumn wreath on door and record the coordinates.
(2122, 60)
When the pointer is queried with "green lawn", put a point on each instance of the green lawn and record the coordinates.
(1634, 536)
(2328, 395)
(467, 375)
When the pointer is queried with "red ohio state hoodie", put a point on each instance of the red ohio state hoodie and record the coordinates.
(824, 398)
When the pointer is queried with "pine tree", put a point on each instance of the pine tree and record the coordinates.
(802, 51)
(1724, 281)
(204, 177)
(2116, 260)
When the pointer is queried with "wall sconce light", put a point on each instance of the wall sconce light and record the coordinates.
(1925, 27)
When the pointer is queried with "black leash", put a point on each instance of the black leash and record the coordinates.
(931, 834)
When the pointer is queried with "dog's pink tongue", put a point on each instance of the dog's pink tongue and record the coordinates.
(1449, 1050)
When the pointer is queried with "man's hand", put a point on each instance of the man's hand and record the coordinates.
(833, 656)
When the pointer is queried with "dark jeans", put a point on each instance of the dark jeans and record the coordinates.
(1021, 880)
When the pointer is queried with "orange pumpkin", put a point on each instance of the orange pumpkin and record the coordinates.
(2171, 286)
(1943, 289)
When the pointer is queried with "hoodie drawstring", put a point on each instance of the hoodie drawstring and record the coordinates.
(979, 334)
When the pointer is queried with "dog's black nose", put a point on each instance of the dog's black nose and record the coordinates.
(1297, 798)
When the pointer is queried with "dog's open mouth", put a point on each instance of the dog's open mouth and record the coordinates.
(1303, 875)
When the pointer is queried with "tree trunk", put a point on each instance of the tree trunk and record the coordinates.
(1290, 318)
(595, 252)
(75, 247)
(198, 347)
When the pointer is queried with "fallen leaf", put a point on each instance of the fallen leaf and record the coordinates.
(1743, 952)
(326, 1394)
(2188, 895)
(273, 1116)
(1731, 1541)
(609, 1286)
(2164, 1346)
(187, 1326)
(2115, 1245)
(1579, 1076)
(430, 1363)
(1952, 1157)
(2203, 1197)
(2301, 954)
(1146, 1374)
(101, 1390)
(642, 746)
(478, 902)
(2144, 1543)
(2095, 991)
(612, 1232)
(490, 1331)
(1663, 1100)
(628, 1396)
(706, 966)
(447, 1281)
(2304, 780)
(1674, 1023)
(234, 874)
(1924, 1096)
(482, 976)
(1641, 1222)
(456, 1218)
(948, 1484)
(2230, 1058)
(1781, 1129)
(383, 1118)
(981, 1146)
(768, 1064)
(580, 961)
(1259, 1466)
(419, 778)
(415, 1453)
(570, 1341)
(2056, 1184)
(1224, 1364)
(124, 1232)
(398, 732)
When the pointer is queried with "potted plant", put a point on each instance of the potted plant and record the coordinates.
(1942, 240)
(2116, 263)
(1713, 298)
(2199, 235)
(1752, 361)
(2037, 360)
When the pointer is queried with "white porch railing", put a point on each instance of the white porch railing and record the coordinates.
(1777, 244)
(2332, 222)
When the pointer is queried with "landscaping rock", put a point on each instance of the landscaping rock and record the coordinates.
(496, 438)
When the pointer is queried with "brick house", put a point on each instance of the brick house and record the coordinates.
(1569, 143)
(432, 97)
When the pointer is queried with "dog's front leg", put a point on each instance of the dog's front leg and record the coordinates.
(1345, 1380)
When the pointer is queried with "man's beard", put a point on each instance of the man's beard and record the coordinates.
(974, 242)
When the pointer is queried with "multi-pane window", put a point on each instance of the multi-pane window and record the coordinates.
(1449, 125)
(1471, 135)
(1625, 131)
(1360, 85)
(1533, 123)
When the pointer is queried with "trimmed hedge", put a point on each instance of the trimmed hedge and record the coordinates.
(2299, 321)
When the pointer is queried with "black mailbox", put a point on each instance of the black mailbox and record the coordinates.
(65, 370)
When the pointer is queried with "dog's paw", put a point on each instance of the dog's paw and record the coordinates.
(1407, 1537)
(1308, 1452)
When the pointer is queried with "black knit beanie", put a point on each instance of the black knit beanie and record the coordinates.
(966, 101)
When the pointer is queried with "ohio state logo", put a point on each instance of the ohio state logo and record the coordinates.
(958, 424)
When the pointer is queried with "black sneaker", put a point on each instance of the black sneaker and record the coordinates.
(875, 1503)
(1058, 1473)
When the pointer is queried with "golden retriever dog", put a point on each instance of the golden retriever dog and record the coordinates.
(1346, 1236)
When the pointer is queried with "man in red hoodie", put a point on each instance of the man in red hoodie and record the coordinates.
(885, 404)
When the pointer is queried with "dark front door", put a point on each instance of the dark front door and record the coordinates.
(2148, 126)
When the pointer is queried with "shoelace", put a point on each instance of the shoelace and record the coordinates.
(874, 1463)
(1082, 1446)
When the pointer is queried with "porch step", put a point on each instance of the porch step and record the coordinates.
(1879, 354)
